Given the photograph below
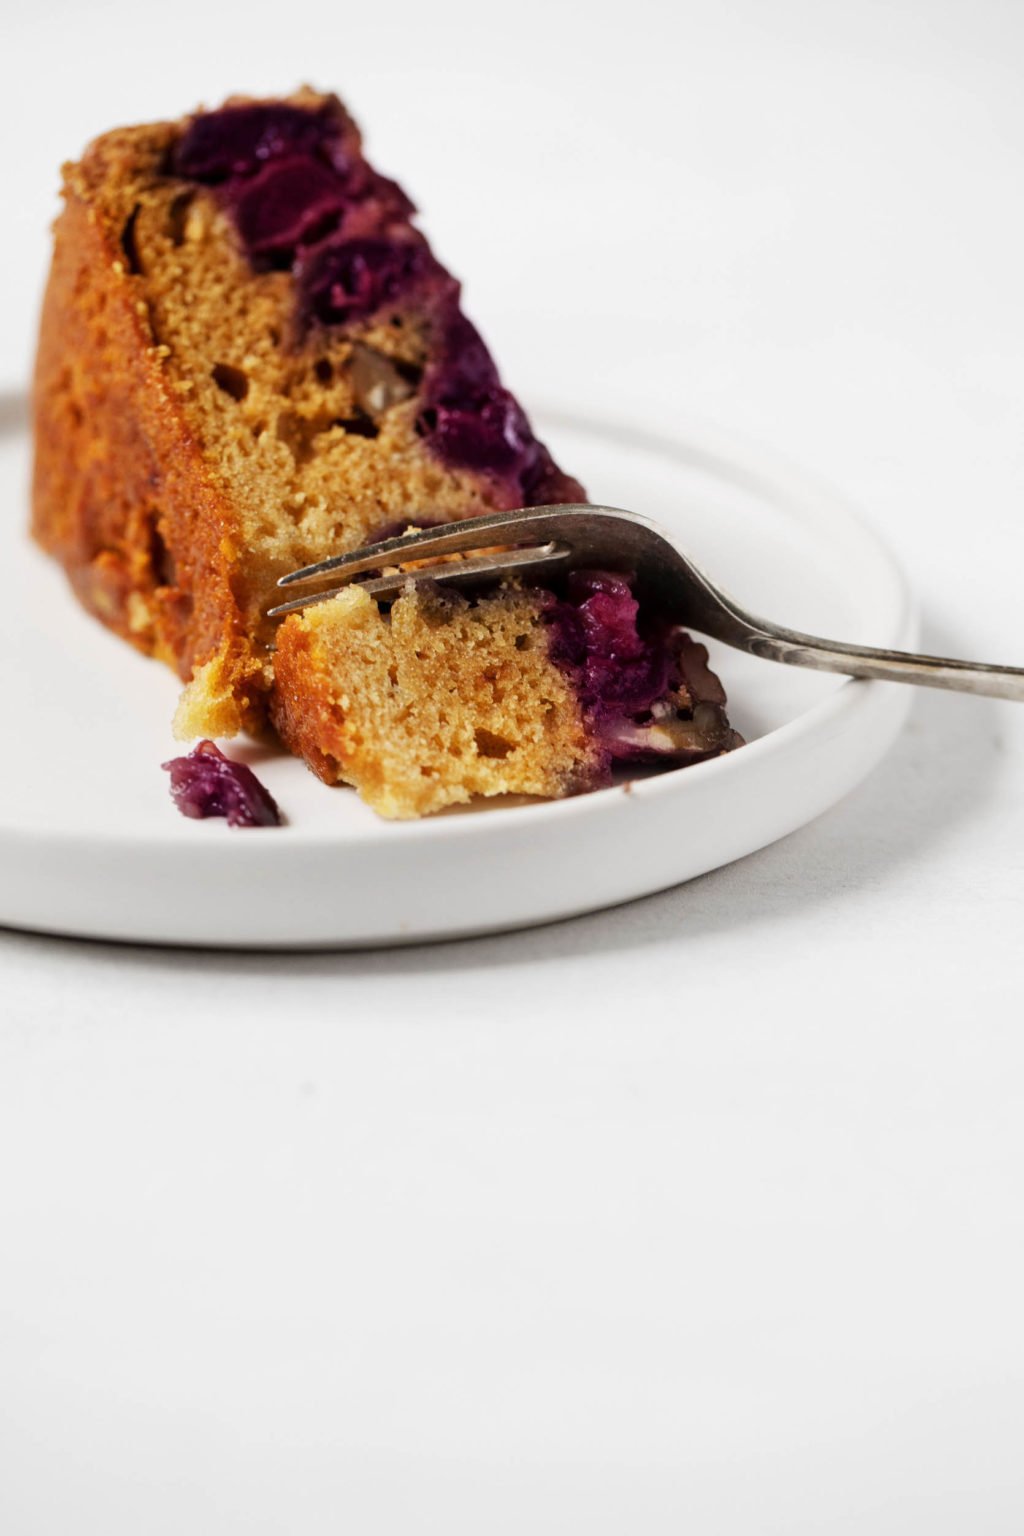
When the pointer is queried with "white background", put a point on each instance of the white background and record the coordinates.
(704, 1214)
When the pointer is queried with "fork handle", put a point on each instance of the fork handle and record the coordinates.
(799, 650)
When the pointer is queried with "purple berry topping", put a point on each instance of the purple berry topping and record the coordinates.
(543, 483)
(206, 783)
(470, 419)
(646, 691)
(466, 367)
(487, 431)
(288, 203)
(595, 632)
(238, 140)
(350, 279)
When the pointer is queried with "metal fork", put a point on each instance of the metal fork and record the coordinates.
(543, 540)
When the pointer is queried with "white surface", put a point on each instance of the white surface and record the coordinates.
(739, 1247)
(98, 849)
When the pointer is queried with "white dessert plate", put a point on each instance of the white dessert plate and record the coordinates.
(91, 843)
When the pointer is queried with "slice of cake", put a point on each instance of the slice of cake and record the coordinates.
(249, 358)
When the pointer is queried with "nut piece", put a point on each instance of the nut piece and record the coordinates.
(376, 380)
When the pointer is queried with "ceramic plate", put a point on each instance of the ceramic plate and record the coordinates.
(91, 844)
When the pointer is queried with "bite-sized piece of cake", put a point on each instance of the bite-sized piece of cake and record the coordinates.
(521, 691)
(440, 700)
(249, 357)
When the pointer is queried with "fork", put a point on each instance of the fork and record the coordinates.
(543, 540)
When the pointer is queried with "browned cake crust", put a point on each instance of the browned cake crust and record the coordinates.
(122, 494)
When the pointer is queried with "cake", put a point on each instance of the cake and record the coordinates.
(250, 358)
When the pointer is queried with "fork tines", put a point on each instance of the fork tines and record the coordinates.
(477, 533)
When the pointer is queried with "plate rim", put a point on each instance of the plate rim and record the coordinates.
(724, 454)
